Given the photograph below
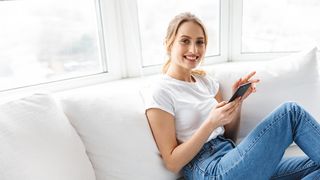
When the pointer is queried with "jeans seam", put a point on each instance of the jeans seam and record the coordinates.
(293, 172)
(264, 131)
(196, 164)
(314, 127)
(258, 137)
(304, 115)
(276, 119)
(317, 177)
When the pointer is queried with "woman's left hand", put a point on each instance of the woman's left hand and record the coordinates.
(244, 80)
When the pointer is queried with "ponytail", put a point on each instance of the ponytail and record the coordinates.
(199, 72)
(165, 66)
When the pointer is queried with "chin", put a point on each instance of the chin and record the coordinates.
(191, 67)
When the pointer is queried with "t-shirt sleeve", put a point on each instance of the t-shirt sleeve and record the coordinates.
(157, 98)
(213, 85)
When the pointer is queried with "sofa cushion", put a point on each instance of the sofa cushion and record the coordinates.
(111, 122)
(290, 78)
(37, 142)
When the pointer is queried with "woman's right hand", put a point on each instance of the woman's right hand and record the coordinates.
(223, 113)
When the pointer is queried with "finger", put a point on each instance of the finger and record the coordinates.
(225, 107)
(235, 106)
(247, 77)
(221, 104)
(254, 81)
(237, 84)
(247, 93)
(231, 104)
(253, 87)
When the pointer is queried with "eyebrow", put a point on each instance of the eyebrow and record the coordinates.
(185, 36)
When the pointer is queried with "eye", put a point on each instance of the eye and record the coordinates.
(200, 42)
(185, 41)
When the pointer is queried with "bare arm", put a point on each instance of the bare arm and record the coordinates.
(163, 128)
(177, 155)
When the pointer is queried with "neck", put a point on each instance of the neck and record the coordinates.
(180, 74)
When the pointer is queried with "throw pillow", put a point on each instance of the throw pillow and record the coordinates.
(290, 78)
(37, 142)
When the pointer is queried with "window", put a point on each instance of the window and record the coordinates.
(154, 18)
(47, 40)
(52, 40)
(279, 25)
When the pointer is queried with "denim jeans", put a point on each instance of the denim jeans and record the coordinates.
(260, 155)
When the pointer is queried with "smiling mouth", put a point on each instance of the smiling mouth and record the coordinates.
(192, 58)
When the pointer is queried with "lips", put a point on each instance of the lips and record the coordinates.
(191, 57)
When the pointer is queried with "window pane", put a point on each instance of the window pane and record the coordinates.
(154, 18)
(46, 40)
(279, 25)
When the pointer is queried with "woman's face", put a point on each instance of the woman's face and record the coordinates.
(189, 46)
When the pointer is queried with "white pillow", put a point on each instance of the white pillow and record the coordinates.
(291, 78)
(111, 122)
(37, 142)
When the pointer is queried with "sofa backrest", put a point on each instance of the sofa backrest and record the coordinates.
(110, 120)
(290, 78)
(110, 117)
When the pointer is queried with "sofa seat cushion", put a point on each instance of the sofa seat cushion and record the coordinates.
(37, 142)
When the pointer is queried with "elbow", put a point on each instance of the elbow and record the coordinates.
(173, 167)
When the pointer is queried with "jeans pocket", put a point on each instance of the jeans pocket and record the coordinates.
(204, 159)
(229, 140)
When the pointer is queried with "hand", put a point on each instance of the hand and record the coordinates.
(244, 80)
(224, 112)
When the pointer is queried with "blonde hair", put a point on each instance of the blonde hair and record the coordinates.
(172, 30)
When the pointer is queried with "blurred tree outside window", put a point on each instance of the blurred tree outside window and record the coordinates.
(47, 40)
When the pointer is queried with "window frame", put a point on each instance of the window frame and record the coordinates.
(111, 70)
(235, 49)
(137, 68)
(121, 47)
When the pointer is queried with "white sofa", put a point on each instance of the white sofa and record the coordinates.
(100, 132)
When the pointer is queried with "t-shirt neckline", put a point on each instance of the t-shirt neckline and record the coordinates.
(182, 82)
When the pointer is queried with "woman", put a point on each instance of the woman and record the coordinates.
(194, 128)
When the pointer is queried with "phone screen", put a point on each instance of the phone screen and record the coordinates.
(240, 91)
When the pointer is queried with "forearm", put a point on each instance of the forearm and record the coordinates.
(186, 151)
(232, 129)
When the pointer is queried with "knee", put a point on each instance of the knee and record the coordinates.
(291, 106)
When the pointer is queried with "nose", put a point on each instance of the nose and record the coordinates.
(193, 48)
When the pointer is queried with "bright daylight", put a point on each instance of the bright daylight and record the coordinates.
(159, 89)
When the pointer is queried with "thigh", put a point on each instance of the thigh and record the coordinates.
(258, 155)
(315, 175)
(294, 168)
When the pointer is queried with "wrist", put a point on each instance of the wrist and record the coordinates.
(212, 124)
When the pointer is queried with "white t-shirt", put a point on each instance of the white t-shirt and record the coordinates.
(189, 103)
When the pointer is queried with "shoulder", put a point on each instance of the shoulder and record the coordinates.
(159, 89)
(161, 86)
(159, 96)
(207, 79)
(211, 83)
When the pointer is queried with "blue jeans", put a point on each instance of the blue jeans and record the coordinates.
(260, 155)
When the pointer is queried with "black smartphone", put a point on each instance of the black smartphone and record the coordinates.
(240, 91)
